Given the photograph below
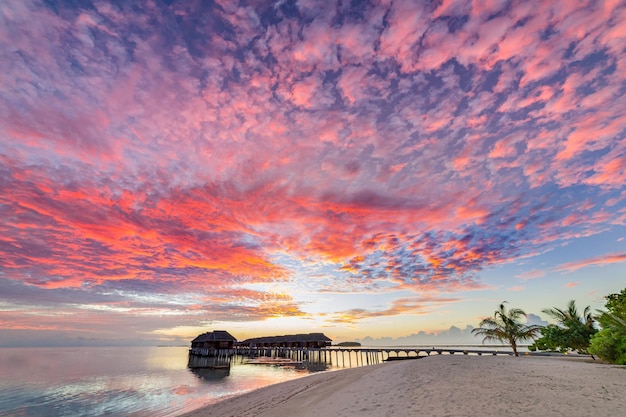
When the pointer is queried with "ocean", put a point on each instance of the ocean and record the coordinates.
(137, 381)
(119, 381)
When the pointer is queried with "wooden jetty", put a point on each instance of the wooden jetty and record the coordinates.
(217, 349)
(351, 357)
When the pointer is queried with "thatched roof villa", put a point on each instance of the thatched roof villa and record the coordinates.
(221, 339)
(308, 340)
(217, 339)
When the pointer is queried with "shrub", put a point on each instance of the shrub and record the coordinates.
(573, 331)
(609, 345)
(610, 342)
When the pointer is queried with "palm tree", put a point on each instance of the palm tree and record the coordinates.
(613, 320)
(504, 326)
(576, 329)
(565, 317)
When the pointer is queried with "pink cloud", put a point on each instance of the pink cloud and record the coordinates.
(534, 274)
(353, 84)
(409, 305)
(595, 261)
(357, 42)
(303, 93)
(407, 24)
(593, 133)
(610, 171)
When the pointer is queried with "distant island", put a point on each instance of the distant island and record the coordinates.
(348, 344)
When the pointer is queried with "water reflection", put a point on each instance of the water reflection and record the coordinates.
(209, 362)
(309, 366)
(210, 375)
(119, 381)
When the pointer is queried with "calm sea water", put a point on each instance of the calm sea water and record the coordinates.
(119, 381)
(129, 381)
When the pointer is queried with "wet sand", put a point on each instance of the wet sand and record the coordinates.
(443, 385)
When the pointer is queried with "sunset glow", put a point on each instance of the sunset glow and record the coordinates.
(370, 168)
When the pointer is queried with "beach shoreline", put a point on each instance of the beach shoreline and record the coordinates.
(442, 385)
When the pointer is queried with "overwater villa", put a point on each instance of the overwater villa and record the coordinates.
(217, 339)
(308, 340)
(212, 350)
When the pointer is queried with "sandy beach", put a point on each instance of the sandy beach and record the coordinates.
(440, 386)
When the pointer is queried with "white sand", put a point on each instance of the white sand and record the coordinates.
(440, 386)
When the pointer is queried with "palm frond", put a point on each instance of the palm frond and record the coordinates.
(504, 326)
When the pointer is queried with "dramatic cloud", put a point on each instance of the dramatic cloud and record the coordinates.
(234, 161)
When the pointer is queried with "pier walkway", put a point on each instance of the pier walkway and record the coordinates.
(331, 356)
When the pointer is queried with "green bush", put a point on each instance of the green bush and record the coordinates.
(573, 331)
(609, 345)
(610, 342)
(553, 338)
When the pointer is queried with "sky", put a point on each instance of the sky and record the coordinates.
(383, 171)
